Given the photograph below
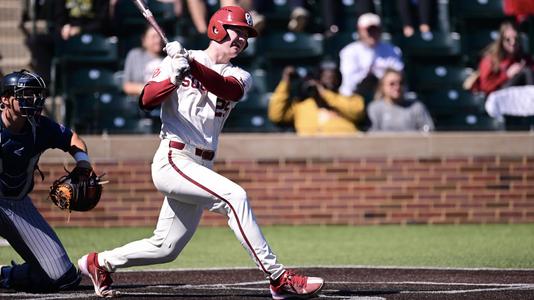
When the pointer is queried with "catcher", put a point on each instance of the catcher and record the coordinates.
(24, 136)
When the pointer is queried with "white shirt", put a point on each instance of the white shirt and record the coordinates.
(357, 59)
(192, 114)
(511, 101)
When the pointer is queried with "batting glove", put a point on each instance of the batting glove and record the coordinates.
(180, 69)
(174, 49)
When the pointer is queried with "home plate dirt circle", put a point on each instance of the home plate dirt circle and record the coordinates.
(354, 283)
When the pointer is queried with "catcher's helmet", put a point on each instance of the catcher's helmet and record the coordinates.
(28, 88)
(229, 15)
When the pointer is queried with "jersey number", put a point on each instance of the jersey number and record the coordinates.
(222, 107)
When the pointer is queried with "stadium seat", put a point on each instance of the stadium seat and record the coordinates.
(88, 48)
(515, 123)
(477, 8)
(452, 101)
(430, 45)
(431, 77)
(212, 6)
(121, 125)
(112, 112)
(254, 100)
(335, 43)
(91, 109)
(291, 46)
(278, 15)
(90, 80)
(468, 122)
(249, 120)
(128, 18)
(85, 81)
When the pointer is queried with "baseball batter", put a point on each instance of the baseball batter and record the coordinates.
(197, 90)
(24, 136)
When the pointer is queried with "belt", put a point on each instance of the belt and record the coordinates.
(204, 154)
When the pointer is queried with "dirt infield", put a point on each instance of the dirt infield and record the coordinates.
(341, 283)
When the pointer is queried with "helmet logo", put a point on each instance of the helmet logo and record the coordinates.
(248, 18)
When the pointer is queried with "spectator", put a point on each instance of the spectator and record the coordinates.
(199, 14)
(521, 9)
(390, 111)
(76, 17)
(141, 62)
(300, 16)
(317, 106)
(38, 24)
(424, 13)
(504, 62)
(363, 62)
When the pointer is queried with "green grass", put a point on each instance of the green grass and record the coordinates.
(498, 246)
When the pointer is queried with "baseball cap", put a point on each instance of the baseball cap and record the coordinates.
(368, 19)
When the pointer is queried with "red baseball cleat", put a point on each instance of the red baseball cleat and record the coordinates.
(294, 286)
(100, 277)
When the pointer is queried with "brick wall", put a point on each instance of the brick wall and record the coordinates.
(294, 187)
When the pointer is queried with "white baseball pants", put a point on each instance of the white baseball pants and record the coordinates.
(190, 186)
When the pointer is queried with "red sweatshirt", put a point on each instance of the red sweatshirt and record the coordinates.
(490, 81)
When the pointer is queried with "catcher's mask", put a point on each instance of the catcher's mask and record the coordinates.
(28, 88)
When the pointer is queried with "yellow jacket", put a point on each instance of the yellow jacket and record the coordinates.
(309, 119)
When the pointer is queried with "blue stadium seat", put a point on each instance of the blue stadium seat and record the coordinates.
(128, 18)
(120, 125)
(291, 46)
(451, 101)
(430, 45)
(335, 43)
(477, 8)
(87, 48)
(90, 80)
(249, 120)
(254, 100)
(95, 112)
(424, 77)
(468, 122)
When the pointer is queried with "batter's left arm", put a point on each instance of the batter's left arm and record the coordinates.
(225, 87)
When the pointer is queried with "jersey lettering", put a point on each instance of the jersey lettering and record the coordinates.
(156, 72)
(221, 107)
(194, 83)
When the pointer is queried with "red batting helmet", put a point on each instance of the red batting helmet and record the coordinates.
(229, 15)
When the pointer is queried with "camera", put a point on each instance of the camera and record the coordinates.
(302, 87)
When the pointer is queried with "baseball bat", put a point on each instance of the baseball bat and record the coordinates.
(150, 18)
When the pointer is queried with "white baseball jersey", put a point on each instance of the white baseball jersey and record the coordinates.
(192, 114)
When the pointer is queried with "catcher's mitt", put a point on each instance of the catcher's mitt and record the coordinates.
(79, 190)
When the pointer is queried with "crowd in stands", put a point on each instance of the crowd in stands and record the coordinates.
(361, 76)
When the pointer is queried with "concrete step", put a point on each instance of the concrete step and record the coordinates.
(10, 13)
(11, 4)
(14, 64)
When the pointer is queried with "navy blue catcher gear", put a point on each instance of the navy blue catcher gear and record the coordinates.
(28, 88)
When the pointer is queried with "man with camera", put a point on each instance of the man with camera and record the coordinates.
(313, 105)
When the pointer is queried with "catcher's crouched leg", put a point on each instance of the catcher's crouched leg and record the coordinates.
(29, 278)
